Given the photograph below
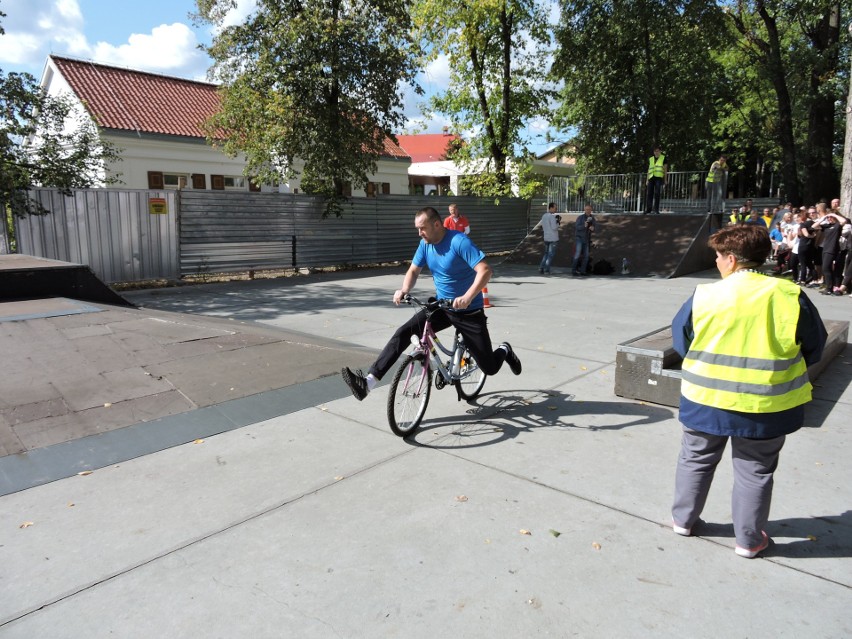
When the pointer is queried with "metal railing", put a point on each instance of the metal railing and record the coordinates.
(625, 192)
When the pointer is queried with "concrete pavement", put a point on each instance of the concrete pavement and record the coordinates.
(320, 523)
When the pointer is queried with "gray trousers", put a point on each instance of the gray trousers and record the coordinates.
(755, 461)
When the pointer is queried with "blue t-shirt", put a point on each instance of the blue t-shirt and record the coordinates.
(451, 262)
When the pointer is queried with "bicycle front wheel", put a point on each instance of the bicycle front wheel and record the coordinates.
(409, 395)
(473, 379)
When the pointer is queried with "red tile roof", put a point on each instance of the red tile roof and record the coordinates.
(136, 101)
(427, 147)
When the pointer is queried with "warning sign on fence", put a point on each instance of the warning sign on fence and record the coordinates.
(158, 206)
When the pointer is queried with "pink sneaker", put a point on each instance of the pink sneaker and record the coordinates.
(751, 553)
(679, 530)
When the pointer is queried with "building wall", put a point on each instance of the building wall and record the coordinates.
(188, 156)
(144, 152)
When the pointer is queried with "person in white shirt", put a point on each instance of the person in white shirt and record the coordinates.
(550, 229)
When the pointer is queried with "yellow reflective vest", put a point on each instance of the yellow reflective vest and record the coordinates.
(656, 166)
(744, 356)
(716, 168)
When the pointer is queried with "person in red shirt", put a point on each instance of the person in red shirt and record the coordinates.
(456, 221)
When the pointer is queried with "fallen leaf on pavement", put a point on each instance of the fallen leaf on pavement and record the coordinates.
(596, 545)
(461, 498)
(198, 441)
(83, 473)
(812, 538)
(524, 531)
(555, 533)
(26, 524)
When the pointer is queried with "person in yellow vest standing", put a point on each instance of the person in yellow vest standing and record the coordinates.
(657, 170)
(717, 179)
(746, 343)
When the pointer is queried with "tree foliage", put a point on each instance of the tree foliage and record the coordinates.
(763, 80)
(317, 83)
(497, 53)
(635, 74)
(796, 48)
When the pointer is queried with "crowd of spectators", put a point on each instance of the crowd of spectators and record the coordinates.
(810, 243)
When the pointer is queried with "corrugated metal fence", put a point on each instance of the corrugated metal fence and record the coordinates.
(118, 234)
(112, 231)
(221, 232)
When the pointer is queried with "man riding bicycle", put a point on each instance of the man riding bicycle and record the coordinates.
(460, 272)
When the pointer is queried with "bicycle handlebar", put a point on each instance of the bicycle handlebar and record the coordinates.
(431, 304)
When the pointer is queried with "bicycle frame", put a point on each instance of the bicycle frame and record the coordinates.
(426, 346)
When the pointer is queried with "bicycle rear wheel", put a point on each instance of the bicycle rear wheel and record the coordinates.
(474, 379)
(409, 395)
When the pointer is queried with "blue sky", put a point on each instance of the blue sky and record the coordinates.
(150, 35)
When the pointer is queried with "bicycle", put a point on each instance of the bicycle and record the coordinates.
(411, 387)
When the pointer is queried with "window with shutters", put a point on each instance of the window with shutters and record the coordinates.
(155, 180)
(159, 180)
(217, 182)
(199, 181)
(376, 188)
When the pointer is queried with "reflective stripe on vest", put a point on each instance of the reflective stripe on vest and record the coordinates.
(744, 356)
(655, 166)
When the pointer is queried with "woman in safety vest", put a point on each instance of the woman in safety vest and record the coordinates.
(746, 343)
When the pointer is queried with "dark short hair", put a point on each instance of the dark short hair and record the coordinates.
(431, 214)
(552, 205)
(747, 242)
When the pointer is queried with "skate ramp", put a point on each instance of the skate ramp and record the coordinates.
(669, 245)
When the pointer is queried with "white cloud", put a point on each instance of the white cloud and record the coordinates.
(426, 124)
(240, 12)
(437, 72)
(33, 27)
(19, 48)
(169, 47)
(36, 28)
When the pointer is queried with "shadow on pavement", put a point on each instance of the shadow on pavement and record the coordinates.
(829, 388)
(820, 536)
(265, 299)
(496, 417)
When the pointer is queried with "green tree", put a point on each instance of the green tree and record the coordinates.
(45, 141)
(796, 47)
(317, 83)
(745, 125)
(497, 52)
(635, 74)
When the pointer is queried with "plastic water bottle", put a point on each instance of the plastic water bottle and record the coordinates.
(457, 356)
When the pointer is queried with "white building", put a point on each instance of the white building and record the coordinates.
(154, 121)
(431, 171)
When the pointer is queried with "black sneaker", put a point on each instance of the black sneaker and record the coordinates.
(512, 359)
(356, 382)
